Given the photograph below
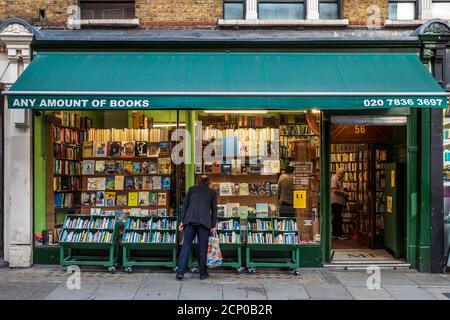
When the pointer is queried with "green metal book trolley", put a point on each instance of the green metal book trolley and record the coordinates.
(231, 249)
(271, 243)
(92, 235)
(149, 241)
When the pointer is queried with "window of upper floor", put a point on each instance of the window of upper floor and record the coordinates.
(441, 9)
(111, 9)
(402, 10)
(329, 9)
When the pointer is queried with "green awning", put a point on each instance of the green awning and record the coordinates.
(168, 80)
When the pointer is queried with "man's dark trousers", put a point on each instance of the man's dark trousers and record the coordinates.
(202, 233)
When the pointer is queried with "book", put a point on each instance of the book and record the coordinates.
(143, 198)
(162, 212)
(153, 150)
(133, 199)
(100, 199)
(235, 188)
(95, 184)
(129, 183)
(164, 148)
(232, 210)
(156, 183)
(146, 183)
(251, 211)
(164, 165)
(114, 148)
(93, 196)
(136, 167)
(226, 168)
(153, 212)
(135, 212)
(119, 216)
(273, 210)
(100, 149)
(153, 167)
(253, 189)
(221, 210)
(144, 167)
(85, 199)
(110, 183)
(127, 149)
(262, 210)
(162, 199)
(88, 148)
(153, 199)
(127, 167)
(100, 166)
(262, 190)
(274, 189)
(119, 182)
(126, 213)
(141, 149)
(225, 189)
(119, 167)
(110, 199)
(165, 183)
(236, 165)
(207, 167)
(122, 200)
(145, 212)
(88, 167)
(243, 212)
(95, 211)
(244, 191)
(138, 183)
(216, 167)
(110, 167)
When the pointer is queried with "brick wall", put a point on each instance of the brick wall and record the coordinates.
(55, 11)
(179, 13)
(357, 11)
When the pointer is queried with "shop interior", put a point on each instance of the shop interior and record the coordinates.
(373, 219)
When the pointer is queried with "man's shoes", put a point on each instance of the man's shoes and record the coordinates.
(180, 276)
(203, 277)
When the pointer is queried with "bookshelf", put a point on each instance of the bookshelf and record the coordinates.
(230, 234)
(145, 235)
(82, 237)
(380, 156)
(279, 236)
(65, 133)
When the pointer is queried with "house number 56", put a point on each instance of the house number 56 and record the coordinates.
(360, 129)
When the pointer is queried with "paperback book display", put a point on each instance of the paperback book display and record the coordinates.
(273, 231)
(88, 229)
(150, 230)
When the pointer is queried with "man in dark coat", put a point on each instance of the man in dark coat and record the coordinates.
(198, 218)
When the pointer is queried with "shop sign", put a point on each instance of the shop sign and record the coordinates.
(78, 103)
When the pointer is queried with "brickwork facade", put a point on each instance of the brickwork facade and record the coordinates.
(363, 12)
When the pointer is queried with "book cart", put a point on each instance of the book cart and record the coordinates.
(266, 236)
(90, 234)
(229, 232)
(145, 238)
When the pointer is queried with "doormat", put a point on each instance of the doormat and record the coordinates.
(363, 255)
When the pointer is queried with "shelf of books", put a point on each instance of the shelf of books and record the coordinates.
(380, 195)
(65, 134)
(143, 235)
(82, 237)
(229, 232)
(276, 235)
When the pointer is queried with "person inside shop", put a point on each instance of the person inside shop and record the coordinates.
(286, 193)
(198, 218)
(338, 198)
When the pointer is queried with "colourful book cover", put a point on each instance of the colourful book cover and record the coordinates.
(94, 184)
(133, 199)
(88, 149)
(221, 210)
(165, 183)
(235, 188)
(144, 167)
(143, 198)
(129, 183)
(243, 191)
(138, 183)
(127, 149)
(110, 167)
(225, 189)
(127, 167)
(114, 148)
(262, 210)
(136, 167)
(100, 166)
(156, 183)
(243, 212)
(153, 199)
(110, 199)
(88, 167)
(100, 149)
(162, 212)
(153, 150)
(110, 183)
(153, 167)
(141, 148)
(85, 199)
(119, 182)
(232, 209)
(164, 165)
(122, 200)
(162, 199)
(146, 183)
(119, 167)
(100, 199)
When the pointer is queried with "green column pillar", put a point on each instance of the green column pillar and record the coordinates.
(190, 149)
(325, 225)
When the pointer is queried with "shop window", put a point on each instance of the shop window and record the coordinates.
(329, 9)
(402, 10)
(441, 9)
(281, 9)
(107, 9)
(233, 9)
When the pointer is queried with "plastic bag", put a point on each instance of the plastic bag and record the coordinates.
(214, 258)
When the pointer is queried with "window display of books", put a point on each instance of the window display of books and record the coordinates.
(87, 229)
(229, 230)
(273, 231)
(150, 230)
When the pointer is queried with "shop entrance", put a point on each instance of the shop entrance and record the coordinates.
(371, 160)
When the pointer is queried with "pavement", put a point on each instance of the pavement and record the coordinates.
(53, 283)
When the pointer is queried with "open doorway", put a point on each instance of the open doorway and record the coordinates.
(368, 162)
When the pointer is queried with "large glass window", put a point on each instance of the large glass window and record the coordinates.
(233, 9)
(329, 9)
(107, 9)
(441, 9)
(402, 10)
(281, 9)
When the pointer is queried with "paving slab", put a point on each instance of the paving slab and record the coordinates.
(25, 291)
(438, 292)
(115, 292)
(364, 293)
(428, 279)
(286, 292)
(327, 291)
(408, 292)
(198, 290)
(158, 290)
(240, 292)
(359, 279)
(63, 293)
